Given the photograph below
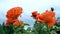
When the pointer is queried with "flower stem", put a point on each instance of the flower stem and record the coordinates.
(48, 30)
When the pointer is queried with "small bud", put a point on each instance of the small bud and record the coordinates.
(52, 9)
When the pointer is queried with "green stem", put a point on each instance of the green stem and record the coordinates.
(48, 30)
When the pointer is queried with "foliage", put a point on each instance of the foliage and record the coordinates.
(45, 23)
(38, 28)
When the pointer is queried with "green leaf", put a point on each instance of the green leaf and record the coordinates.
(53, 32)
(29, 29)
(25, 24)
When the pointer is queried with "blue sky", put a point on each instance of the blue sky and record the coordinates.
(28, 6)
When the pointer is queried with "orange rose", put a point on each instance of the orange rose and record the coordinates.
(15, 22)
(52, 22)
(10, 21)
(48, 17)
(14, 12)
(34, 14)
(52, 14)
(18, 23)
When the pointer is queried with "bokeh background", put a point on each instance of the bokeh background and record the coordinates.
(28, 6)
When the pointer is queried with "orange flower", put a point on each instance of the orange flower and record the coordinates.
(10, 21)
(18, 23)
(34, 14)
(52, 22)
(15, 22)
(14, 12)
(51, 13)
(40, 18)
(47, 17)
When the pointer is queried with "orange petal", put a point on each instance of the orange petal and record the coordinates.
(52, 22)
(14, 12)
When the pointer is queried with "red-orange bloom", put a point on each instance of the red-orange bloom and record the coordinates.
(10, 21)
(18, 23)
(52, 22)
(15, 22)
(52, 14)
(34, 14)
(47, 17)
(14, 12)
